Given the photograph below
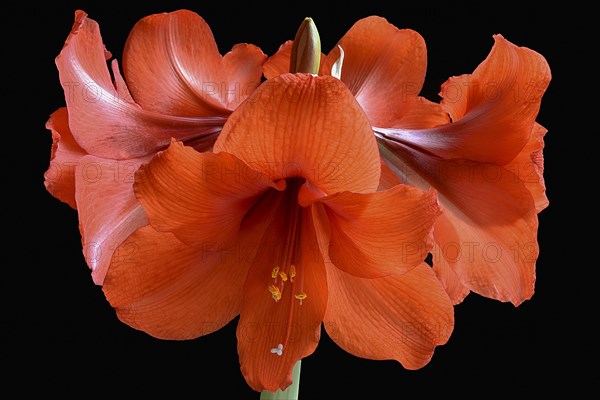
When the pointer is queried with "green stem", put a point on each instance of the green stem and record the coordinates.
(291, 393)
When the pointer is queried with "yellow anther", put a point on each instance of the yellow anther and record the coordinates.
(275, 273)
(292, 272)
(283, 276)
(300, 296)
(275, 292)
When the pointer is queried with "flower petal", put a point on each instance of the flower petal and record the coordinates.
(384, 67)
(310, 127)
(401, 316)
(173, 65)
(163, 287)
(487, 231)
(422, 114)
(107, 208)
(279, 63)
(529, 166)
(59, 179)
(496, 261)
(169, 290)
(388, 178)
(449, 279)
(373, 235)
(265, 324)
(493, 110)
(200, 197)
(103, 118)
(243, 69)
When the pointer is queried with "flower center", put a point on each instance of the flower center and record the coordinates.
(287, 274)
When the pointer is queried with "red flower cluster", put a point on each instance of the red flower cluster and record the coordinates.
(210, 187)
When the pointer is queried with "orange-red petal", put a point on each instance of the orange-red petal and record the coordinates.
(376, 234)
(493, 109)
(107, 208)
(529, 166)
(200, 197)
(243, 70)
(104, 119)
(495, 259)
(169, 290)
(422, 114)
(65, 155)
(487, 231)
(450, 281)
(401, 317)
(306, 126)
(279, 63)
(388, 178)
(446, 274)
(173, 66)
(265, 324)
(384, 67)
(163, 287)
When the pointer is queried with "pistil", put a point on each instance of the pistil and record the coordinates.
(287, 274)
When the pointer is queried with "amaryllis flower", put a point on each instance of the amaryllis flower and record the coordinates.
(481, 149)
(283, 226)
(178, 86)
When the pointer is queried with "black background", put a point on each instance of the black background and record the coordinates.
(60, 336)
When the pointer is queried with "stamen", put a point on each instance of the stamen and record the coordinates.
(300, 296)
(275, 292)
(288, 256)
(275, 273)
(277, 350)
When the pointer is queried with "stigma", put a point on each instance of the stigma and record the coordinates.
(278, 350)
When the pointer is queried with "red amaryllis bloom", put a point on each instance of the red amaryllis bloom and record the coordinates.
(283, 225)
(178, 86)
(481, 149)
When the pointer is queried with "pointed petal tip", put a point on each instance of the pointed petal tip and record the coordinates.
(544, 67)
(518, 301)
(519, 77)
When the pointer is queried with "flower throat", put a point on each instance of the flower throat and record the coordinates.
(287, 273)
